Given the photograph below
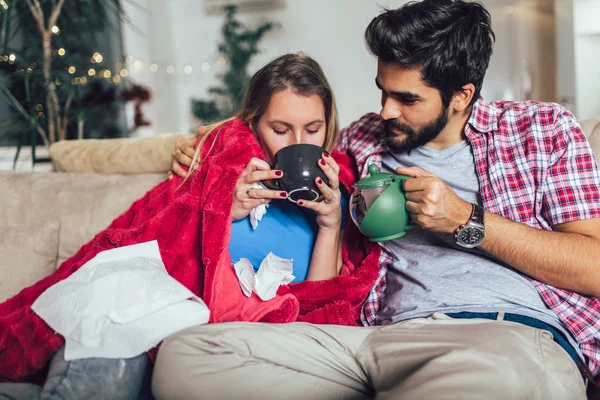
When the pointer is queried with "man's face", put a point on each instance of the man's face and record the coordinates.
(413, 112)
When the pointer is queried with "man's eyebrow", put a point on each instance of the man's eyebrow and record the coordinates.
(402, 95)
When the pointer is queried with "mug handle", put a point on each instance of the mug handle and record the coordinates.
(268, 185)
(411, 224)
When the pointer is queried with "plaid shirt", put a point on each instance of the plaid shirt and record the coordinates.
(535, 167)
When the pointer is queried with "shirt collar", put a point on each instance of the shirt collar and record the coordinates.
(484, 116)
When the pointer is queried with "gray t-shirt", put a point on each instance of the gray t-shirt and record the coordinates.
(436, 275)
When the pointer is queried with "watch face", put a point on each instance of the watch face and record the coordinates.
(470, 236)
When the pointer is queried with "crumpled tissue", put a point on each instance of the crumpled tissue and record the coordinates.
(119, 304)
(273, 272)
(259, 211)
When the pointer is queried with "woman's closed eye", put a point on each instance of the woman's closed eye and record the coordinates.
(283, 132)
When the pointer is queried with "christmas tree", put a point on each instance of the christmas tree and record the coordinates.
(56, 82)
(238, 46)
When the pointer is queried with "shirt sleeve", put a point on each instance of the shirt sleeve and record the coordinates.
(572, 185)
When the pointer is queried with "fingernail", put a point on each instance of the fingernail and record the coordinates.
(322, 162)
(300, 202)
(326, 154)
(283, 194)
(319, 181)
(278, 173)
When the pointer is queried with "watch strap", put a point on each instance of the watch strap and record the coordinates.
(477, 214)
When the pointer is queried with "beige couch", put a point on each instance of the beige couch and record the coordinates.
(46, 217)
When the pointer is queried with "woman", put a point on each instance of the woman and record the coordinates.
(289, 101)
(197, 220)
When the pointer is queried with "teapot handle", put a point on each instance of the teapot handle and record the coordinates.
(411, 224)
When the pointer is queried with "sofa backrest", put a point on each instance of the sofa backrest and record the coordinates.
(46, 217)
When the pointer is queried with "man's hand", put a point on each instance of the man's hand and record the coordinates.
(183, 154)
(432, 203)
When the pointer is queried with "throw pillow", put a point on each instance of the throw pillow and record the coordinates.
(116, 156)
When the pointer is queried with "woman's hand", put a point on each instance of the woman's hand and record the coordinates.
(245, 197)
(329, 211)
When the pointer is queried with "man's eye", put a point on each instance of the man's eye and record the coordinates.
(280, 132)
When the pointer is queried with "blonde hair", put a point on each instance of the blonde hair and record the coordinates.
(296, 72)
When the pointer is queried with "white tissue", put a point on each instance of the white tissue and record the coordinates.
(119, 304)
(273, 272)
(259, 211)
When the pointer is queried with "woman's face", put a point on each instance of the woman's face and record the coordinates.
(291, 119)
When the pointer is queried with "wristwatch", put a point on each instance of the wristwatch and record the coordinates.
(472, 233)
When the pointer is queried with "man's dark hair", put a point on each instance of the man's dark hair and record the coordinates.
(449, 40)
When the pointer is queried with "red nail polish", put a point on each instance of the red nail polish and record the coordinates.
(278, 173)
(326, 154)
(283, 194)
(322, 162)
(319, 181)
(300, 202)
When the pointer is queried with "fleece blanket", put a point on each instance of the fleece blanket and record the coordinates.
(191, 222)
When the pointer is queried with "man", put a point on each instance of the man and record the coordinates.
(494, 296)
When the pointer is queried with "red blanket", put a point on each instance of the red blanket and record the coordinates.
(192, 224)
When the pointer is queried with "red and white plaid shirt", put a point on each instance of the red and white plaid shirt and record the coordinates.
(534, 166)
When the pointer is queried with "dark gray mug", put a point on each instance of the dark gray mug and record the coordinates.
(299, 163)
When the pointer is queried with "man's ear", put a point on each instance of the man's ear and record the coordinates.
(462, 98)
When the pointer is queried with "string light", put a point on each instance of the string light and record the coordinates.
(83, 80)
(91, 72)
(137, 64)
(72, 70)
(11, 58)
(205, 66)
(57, 82)
(106, 73)
(97, 58)
(128, 59)
(55, 30)
(221, 60)
(170, 69)
(124, 73)
(187, 69)
(117, 79)
(153, 67)
(4, 5)
(39, 107)
(61, 52)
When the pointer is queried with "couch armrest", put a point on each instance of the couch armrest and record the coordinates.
(116, 156)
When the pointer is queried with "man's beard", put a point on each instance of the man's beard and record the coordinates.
(413, 138)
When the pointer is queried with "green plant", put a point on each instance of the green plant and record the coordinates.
(47, 51)
(238, 46)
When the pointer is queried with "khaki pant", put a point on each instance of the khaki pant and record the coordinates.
(434, 358)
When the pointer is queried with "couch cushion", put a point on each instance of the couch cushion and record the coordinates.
(116, 156)
(84, 203)
(29, 253)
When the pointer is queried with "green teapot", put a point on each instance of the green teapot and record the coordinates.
(378, 205)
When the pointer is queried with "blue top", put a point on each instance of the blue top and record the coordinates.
(287, 230)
